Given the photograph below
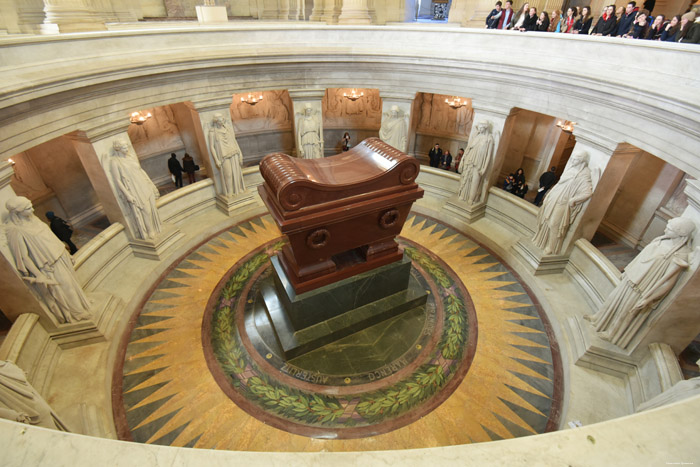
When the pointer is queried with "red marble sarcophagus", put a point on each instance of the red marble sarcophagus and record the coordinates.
(341, 213)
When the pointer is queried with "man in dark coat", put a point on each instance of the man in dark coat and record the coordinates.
(435, 156)
(175, 169)
(627, 19)
(62, 230)
(493, 17)
(547, 181)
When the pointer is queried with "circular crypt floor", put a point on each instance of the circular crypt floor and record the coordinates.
(478, 363)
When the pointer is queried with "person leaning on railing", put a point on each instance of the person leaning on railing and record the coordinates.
(657, 28)
(689, 31)
(640, 26)
(606, 24)
(670, 32)
(583, 23)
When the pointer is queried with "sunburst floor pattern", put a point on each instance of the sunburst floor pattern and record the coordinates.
(506, 382)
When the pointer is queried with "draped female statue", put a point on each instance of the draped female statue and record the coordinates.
(44, 263)
(20, 402)
(309, 142)
(135, 190)
(394, 130)
(227, 155)
(645, 282)
(476, 163)
(562, 204)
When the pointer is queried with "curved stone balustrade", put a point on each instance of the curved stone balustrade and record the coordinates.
(101, 261)
(656, 437)
(617, 90)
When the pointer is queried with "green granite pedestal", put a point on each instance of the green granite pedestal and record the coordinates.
(305, 322)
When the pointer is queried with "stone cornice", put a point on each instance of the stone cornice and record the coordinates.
(301, 95)
(6, 172)
(596, 140)
(84, 82)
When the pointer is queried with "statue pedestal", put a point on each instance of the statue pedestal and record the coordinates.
(231, 204)
(304, 322)
(540, 263)
(647, 373)
(469, 212)
(103, 307)
(156, 248)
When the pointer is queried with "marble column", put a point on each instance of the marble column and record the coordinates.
(25, 17)
(307, 104)
(584, 225)
(227, 200)
(95, 150)
(271, 10)
(397, 105)
(71, 16)
(500, 123)
(127, 11)
(16, 297)
(354, 12)
(317, 10)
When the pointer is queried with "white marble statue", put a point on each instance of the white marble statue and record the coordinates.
(394, 130)
(227, 155)
(563, 203)
(44, 263)
(136, 192)
(645, 282)
(20, 402)
(309, 142)
(476, 163)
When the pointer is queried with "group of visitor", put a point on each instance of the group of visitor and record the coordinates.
(444, 160)
(188, 166)
(515, 183)
(630, 22)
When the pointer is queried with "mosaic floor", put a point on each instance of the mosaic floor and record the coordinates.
(479, 363)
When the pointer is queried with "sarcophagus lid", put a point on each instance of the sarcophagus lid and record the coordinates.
(340, 213)
(365, 171)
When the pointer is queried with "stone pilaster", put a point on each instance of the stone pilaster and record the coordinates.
(301, 100)
(95, 151)
(498, 119)
(206, 110)
(354, 12)
(586, 222)
(16, 298)
(71, 16)
(675, 321)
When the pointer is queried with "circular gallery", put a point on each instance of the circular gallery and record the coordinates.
(344, 239)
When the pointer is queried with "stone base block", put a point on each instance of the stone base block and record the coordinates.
(105, 309)
(305, 322)
(537, 260)
(236, 204)
(156, 249)
(71, 335)
(590, 351)
(469, 212)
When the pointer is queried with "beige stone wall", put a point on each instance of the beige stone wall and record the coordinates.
(647, 184)
(530, 138)
(61, 170)
(436, 122)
